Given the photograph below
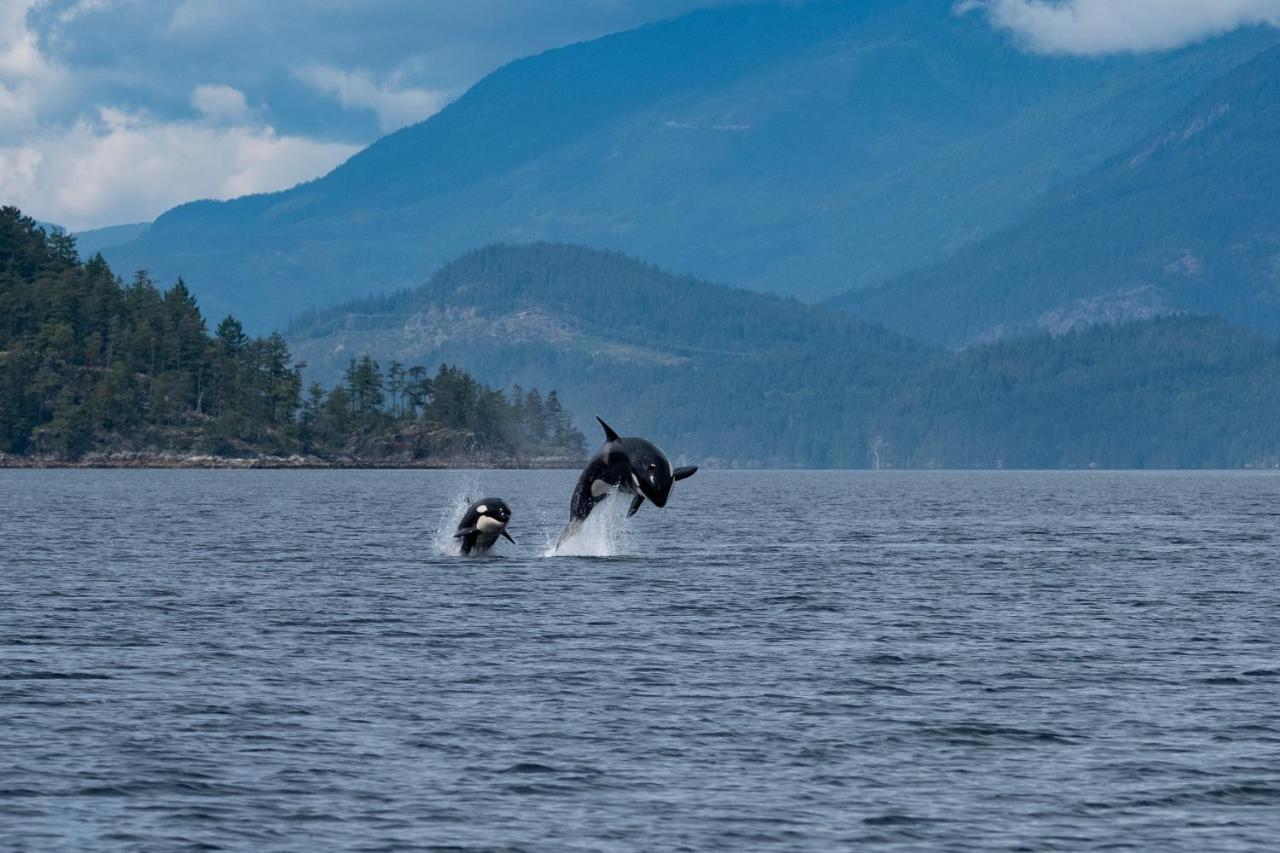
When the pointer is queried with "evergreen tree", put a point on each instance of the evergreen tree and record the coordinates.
(395, 386)
(417, 389)
(88, 362)
(535, 417)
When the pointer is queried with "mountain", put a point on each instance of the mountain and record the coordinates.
(94, 240)
(1171, 392)
(797, 148)
(728, 375)
(1188, 219)
(725, 376)
(129, 375)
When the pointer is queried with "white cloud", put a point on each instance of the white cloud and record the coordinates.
(80, 8)
(1095, 27)
(28, 81)
(93, 133)
(213, 18)
(222, 104)
(127, 167)
(394, 106)
(116, 165)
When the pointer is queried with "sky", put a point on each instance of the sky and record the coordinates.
(1099, 27)
(112, 111)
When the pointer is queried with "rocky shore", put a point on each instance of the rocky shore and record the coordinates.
(136, 459)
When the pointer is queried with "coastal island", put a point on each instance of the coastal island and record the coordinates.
(98, 373)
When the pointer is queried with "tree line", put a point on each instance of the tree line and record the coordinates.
(89, 362)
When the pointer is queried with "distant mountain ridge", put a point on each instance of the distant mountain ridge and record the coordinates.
(1187, 219)
(91, 241)
(795, 148)
(706, 368)
(725, 376)
(94, 240)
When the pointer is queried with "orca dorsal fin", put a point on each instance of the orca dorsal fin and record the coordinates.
(609, 434)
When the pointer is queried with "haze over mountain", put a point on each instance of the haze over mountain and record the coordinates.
(800, 148)
(725, 376)
(1188, 219)
(94, 240)
(721, 372)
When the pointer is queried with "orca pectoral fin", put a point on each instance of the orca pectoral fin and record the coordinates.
(684, 472)
(635, 505)
(464, 531)
(609, 434)
(507, 536)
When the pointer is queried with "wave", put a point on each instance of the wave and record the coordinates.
(605, 533)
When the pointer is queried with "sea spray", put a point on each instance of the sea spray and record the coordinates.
(465, 490)
(605, 533)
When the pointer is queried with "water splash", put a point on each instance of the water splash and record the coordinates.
(465, 491)
(605, 533)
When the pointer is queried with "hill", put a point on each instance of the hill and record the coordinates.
(797, 148)
(94, 240)
(1172, 392)
(89, 365)
(1187, 219)
(725, 376)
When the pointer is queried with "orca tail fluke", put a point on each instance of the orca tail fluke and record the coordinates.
(609, 434)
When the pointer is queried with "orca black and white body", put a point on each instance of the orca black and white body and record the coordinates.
(630, 465)
(482, 524)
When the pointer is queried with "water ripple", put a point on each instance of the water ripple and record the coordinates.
(261, 660)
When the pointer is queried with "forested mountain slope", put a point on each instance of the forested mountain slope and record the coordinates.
(725, 376)
(725, 373)
(1188, 219)
(90, 365)
(796, 148)
(1173, 392)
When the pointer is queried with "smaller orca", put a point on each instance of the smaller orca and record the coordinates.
(482, 524)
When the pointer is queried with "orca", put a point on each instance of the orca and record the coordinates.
(482, 524)
(629, 465)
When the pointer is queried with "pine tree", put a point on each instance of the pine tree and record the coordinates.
(535, 417)
(87, 361)
(417, 389)
(395, 385)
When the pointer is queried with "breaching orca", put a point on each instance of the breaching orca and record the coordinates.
(482, 524)
(630, 465)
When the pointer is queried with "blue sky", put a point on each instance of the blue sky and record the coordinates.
(114, 110)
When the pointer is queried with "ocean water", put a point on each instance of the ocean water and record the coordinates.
(286, 660)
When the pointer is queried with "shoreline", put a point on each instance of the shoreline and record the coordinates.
(125, 460)
(202, 461)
